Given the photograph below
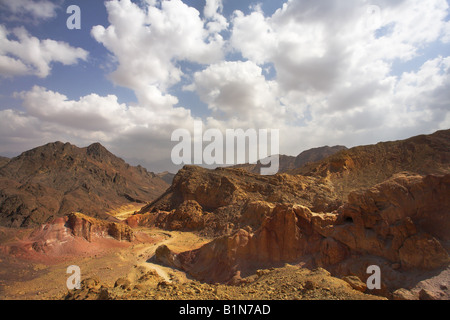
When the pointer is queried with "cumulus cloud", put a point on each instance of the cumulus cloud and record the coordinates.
(238, 90)
(333, 63)
(314, 45)
(148, 42)
(38, 9)
(213, 13)
(29, 55)
(322, 72)
(132, 131)
(89, 113)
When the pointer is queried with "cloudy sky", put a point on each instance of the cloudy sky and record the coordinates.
(323, 72)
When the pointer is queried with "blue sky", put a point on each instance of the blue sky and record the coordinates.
(322, 72)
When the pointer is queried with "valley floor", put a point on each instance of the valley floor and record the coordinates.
(129, 273)
(28, 280)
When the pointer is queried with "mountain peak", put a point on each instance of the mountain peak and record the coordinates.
(98, 151)
(59, 178)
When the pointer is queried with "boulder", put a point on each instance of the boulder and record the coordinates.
(355, 283)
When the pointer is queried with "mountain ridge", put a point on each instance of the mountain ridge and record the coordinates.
(365, 166)
(58, 178)
(289, 163)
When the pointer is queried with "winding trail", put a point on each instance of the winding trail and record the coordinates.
(148, 252)
(175, 238)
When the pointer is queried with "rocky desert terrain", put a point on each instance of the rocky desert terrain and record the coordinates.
(310, 232)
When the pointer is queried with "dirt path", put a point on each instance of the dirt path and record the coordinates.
(179, 241)
(126, 211)
(149, 251)
(28, 280)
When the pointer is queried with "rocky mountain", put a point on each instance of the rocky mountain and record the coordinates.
(362, 167)
(216, 201)
(286, 163)
(166, 176)
(220, 201)
(401, 224)
(59, 178)
(385, 205)
(316, 154)
(3, 161)
(289, 163)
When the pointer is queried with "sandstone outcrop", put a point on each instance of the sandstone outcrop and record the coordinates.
(216, 202)
(401, 221)
(89, 228)
(362, 167)
(73, 234)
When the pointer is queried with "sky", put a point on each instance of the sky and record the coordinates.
(322, 72)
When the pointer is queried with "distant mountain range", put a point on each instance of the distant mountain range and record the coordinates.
(288, 163)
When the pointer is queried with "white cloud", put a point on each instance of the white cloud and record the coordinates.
(212, 12)
(238, 90)
(332, 80)
(38, 9)
(29, 55)
(133, 131)
(446, 33)
(12, 67)
(89, 113)
(315, 45)
(148, 43)
(94, 113)
(333, 67)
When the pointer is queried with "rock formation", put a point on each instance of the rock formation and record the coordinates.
(215, 202)
(363, 167)
(403, 221)
(73, 234)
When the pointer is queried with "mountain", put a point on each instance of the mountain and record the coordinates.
(401, 225)
(166, 176)
(3, 161)
(217, 202)
(316, 154)
(385, 205)
(364, 166)
(289, 163)
(60, 178)
(286, 163)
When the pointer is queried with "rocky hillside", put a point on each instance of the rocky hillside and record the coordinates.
(287, 283)
(3, 161)
(73, 235)
(400, 225)
(166, 176)
(316, 154)
(217, 202)
(386, 204)
(59, 178)
(362, 167)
